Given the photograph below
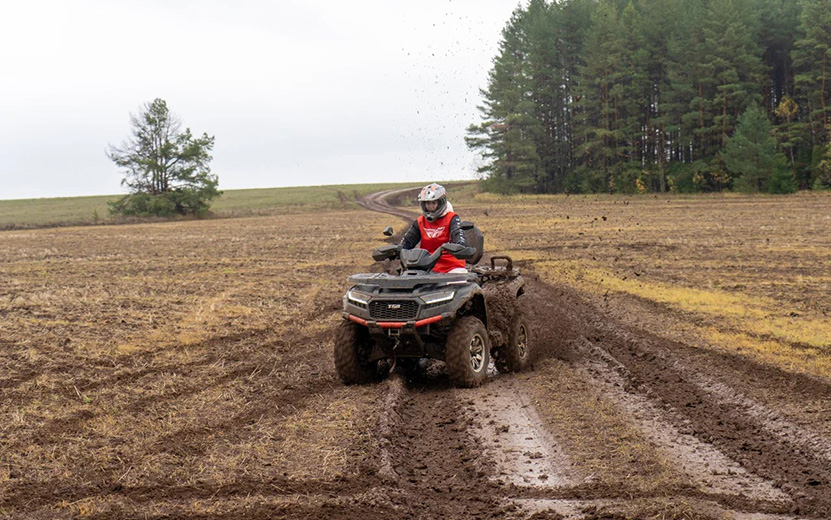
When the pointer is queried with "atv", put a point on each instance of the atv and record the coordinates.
(412, 313)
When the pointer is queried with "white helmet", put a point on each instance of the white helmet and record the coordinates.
(433, 192)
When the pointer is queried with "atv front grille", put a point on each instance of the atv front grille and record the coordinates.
(393, 310)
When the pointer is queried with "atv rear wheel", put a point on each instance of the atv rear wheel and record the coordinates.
(352, 350)
(467, 352)
(514, 356)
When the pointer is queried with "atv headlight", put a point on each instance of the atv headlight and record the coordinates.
(357, 298)
(438, 297)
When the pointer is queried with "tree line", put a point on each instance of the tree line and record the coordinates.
(659, 95)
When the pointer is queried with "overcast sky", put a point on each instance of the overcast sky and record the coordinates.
(296, 92)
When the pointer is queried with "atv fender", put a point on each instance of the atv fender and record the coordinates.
(475, 306)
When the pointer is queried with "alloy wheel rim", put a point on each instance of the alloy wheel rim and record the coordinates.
(522, 341)
(477, 353)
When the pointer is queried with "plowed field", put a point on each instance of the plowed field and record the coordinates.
(184, 370)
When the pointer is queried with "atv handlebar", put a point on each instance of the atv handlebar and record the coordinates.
(459, 251)
(419, 259)
(391, 251)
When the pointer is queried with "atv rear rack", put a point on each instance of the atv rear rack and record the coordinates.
(495, 272)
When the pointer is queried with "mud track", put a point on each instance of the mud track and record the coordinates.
(725, 437)
(378, 202)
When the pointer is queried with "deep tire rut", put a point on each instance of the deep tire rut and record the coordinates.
(656, 369)
(438, 470)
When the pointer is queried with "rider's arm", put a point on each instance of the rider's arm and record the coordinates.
(457, 236)
(412, 237)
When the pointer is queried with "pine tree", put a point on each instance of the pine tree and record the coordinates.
(823, 175)
(812, 80)
(751, 154)
(600, 97)
(632, 87)
(546, 70)
(778, 22)
(507, 136)
(657, 24)
(731, 46)
(689, 97)
(527, 134)
(789, 131)
(574, 19)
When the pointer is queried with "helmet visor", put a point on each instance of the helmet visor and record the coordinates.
(435, 210)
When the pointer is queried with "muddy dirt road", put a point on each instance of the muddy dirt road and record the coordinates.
(184, 370)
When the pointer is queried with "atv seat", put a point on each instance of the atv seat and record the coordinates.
(475, 238)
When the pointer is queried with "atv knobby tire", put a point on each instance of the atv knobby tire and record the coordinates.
(467, 352)
(352, 350)
(514, 356)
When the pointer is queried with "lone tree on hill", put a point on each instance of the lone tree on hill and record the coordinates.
(166, 170)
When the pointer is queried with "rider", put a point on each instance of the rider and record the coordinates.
(437, 225)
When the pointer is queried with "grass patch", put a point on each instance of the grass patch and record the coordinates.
(302, 198)
(752, 326)
(605, 446)
(67, 211)
(815, 361)
(83, 211)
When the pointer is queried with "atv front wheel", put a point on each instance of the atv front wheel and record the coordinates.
(514, 356)
(467, 352)
(352, 350)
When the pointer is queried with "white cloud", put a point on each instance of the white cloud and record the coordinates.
(295, 92)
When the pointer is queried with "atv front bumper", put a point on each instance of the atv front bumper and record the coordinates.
(404, 325)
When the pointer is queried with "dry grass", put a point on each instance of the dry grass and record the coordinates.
(752, 272)
(598, 435)
(163, 356)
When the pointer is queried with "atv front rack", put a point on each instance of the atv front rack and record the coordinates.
(408, 281)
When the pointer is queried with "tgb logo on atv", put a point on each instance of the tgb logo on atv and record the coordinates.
(435, 233)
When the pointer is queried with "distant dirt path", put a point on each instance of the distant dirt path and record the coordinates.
(378, 202)
(735, 437)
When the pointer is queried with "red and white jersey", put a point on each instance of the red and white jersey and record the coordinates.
(433, 235)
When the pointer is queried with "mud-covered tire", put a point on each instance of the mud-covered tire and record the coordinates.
(515, 355)
(352, 349)
(467, 352)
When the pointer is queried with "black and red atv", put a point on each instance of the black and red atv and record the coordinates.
(463, 319)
